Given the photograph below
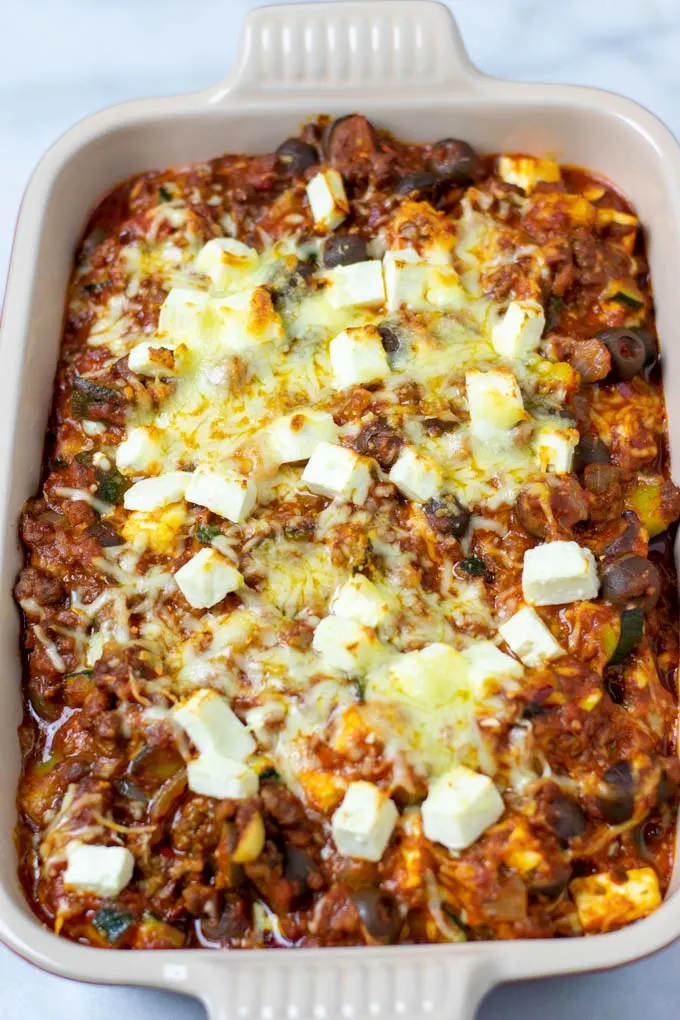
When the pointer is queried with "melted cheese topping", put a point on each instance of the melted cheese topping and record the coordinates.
(249, 344)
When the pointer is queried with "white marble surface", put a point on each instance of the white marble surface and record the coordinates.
(63, 59)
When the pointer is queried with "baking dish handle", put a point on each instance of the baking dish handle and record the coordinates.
(432, 986)
(373, 47)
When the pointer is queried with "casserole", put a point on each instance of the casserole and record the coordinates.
(416, 979)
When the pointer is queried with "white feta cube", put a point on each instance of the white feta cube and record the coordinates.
(101, 870)
(154, 360)
(558, 572)
(459, 807)
(359, 599)
(336, 472)
(555, 448)
(227, 262)
(364, 822)
(154, 493)
(226, 493)
(526, 171)
(529, 638)
(213, 775)
(494, 401)
(431, 677)
(140, 452)
(358, 285)
(295, 436)
(183, 315)
(407, 278)
(327, 199)
(489, 668)
(347, 646)
(245, 320)
(358, 357)
(207, 578)
(603, 903)
(520, 330)
(417, 476)
(208, 720)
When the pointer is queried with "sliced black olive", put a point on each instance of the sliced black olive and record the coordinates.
(439, 426)
(618, 803)
(233, 922)
(628, 538)
(344, 250)
(297, 156)
(637, 336)
(447, 516)
(379, 913)
(379, 440)
(552, 887)
(590, 450)
(106, 534)
(298, 868)
(565, 817)
(390, 338)
(632, 623)
(631, 579)
(350, 138)
(418, 181)
(627, 351)
(454, 161)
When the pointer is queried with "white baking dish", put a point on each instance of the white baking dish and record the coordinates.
(400, 62)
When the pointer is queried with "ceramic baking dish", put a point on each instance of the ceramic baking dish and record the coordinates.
(402, 63)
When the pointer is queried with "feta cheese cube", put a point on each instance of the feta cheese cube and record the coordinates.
(431, 676)
(359, 599)
(226, 262)
(602, 903)
(364, 822)
(347, 646)
(327, 199)
(489, 668)
(558, 572)
(520, 330)
(335, 471)
(295, 436)
(153, 359)
(494, 401)
(459, 806)
(208, 720)
(93, 428)
(213, 775)
(101, 870)
(417, 476)
(358, 285)
(140, 452)
(225, 492)
(555, 448)
(207, 578)
(153, 493)
(245, 320)
(528, 637)
(183, 315)
(358, 357)
(526, 171)
(407, 277)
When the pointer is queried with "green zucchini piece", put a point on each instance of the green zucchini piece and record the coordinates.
(206, 532)
(111, 486)
(270, 773)
(632, 625)
(112, 924)
(473, 566)
(628, 295)
(85, 393)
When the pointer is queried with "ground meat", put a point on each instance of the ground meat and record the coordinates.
(34, 584)
(195, 826)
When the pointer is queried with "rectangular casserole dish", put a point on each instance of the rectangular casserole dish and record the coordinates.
(403, 65)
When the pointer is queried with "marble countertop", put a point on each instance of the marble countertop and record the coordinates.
(49, 78)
